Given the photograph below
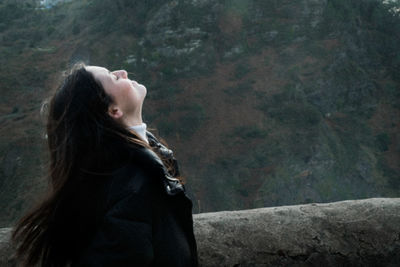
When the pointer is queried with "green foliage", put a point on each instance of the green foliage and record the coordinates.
(194, 116)
(167, 127)
(185, 15)
(241, 7)
(287, 33)
(76, 29)
(229, 178)
(390, 174)
(382, 141)
(341, 10)
(392, 92)
(249, 132)
(50, 29)
(187, 119)
(241, 89)
(340, 14)
(169, 71)
(241, 70)
(314, 48)
(345, 141)
(120, 15)
(10, 11)
(375, 17)
(168, 93)
(290, 108)
(299, 115)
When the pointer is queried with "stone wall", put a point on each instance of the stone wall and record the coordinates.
(346, 233)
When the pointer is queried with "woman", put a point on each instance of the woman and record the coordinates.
(115, 198)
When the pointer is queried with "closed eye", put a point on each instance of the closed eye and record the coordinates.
(113, 74)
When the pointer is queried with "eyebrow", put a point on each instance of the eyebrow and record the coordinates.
(111, 74)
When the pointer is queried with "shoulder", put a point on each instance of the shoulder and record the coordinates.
(144, 173)
(133, 178)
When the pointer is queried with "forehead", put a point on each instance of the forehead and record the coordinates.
(101, 74)
(97, 70)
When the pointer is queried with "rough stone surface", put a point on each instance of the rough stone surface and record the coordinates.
(346, 233)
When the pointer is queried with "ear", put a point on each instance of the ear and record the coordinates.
(115, 112)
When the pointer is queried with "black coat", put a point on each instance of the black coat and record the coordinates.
(145, 217)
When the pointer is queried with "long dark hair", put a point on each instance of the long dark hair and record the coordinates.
(84, 142)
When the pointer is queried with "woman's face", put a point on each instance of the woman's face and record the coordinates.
(128, 95)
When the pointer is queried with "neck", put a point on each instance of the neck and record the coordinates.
(140, 129)
(133, 120)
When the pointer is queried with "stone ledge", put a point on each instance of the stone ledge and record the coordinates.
(346, 233)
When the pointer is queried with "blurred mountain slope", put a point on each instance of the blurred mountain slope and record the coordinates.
(265, 102)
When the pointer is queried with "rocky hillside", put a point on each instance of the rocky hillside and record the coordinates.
(265, 102)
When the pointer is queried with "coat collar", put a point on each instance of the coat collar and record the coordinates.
(171, 184)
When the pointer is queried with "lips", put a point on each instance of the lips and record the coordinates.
(137, 85)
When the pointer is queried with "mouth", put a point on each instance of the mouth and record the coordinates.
(137, 85)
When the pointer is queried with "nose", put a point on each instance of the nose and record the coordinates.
(121, 73)
(124, 74)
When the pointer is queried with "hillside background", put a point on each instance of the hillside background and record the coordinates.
(264, 102)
